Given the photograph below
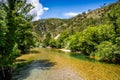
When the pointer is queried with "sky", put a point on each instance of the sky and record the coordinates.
(64, 8)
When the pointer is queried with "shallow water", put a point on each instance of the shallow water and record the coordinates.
(49, 64)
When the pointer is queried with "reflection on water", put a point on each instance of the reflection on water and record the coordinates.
(49, 64)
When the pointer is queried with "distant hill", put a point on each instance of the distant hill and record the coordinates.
(55, 26)
(52, 25)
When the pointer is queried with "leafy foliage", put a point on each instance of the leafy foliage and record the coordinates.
(46, 40)
(15, 29)
(107, 51)
(87, 40)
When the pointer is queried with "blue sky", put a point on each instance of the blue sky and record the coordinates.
(69, 8)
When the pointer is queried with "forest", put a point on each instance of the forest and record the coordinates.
(95, 33)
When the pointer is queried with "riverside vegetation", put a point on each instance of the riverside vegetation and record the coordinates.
(96, 34)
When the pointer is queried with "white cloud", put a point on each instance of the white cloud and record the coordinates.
(45, 8)
(71, 14)
(38, 9)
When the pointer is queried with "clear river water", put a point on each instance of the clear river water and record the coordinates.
(49, 64)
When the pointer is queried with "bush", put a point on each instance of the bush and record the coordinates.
(106, 51)
(117, 41)
(52, 43)
(84, 41)
(61, 38)
(46, 40)
(87, 40)
(74, 43)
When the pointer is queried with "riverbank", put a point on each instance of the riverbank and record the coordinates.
(65, 50)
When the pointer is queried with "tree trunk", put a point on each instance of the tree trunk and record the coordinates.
(5, 73)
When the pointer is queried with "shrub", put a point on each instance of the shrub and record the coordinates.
(87, 40)
(52, 43)
(106, 51)
(84, 41)
(74, 43)
(117, 41)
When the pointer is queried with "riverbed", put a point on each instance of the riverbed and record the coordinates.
(50, 64)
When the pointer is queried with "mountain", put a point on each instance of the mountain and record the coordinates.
(52, 25)
(55, 26)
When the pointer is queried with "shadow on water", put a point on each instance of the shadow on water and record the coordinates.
(23, 69)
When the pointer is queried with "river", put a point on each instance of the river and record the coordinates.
(49, 64)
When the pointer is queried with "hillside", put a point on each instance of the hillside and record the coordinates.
(78, 23)
(52, 25)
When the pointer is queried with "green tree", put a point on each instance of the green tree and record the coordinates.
(107, 51)
(52, 43)
(14, 16)
(3, 31)
(47, 40)
(74, 42)
(26, 38)
(60, 42)
(87, 40)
